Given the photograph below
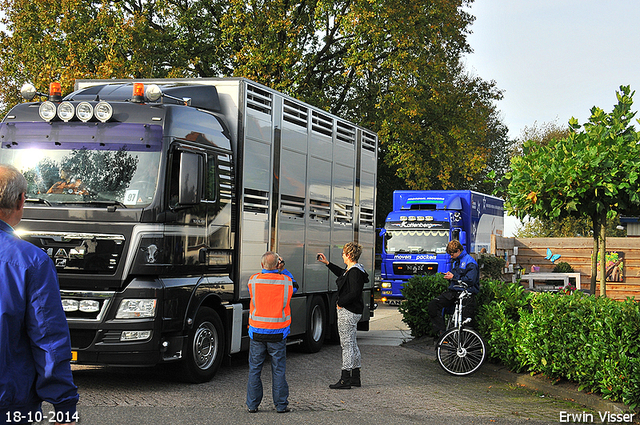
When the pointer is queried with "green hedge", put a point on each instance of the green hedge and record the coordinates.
(418, 291)
(592, 341)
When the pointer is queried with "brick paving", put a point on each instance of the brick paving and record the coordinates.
(403, 383)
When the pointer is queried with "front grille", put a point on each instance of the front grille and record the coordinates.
(79, 253)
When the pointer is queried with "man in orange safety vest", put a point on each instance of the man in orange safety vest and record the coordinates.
(269, 325)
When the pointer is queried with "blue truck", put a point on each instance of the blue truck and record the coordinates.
(416, 233)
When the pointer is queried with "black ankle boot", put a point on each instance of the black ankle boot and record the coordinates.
(344, 383)
(355, 378)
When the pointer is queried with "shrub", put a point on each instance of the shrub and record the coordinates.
(491, 267)
(563, 267)
(500, 307)
(592, 341)
(418, 292)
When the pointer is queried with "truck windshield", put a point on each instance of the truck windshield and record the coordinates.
(416, 241)
(85, 163)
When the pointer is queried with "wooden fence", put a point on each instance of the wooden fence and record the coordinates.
(623, 260)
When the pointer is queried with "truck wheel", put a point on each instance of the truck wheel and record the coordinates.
(205, 347)
(316, 325)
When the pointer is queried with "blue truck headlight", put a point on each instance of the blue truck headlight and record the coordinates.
(136, 308)
(386, 284)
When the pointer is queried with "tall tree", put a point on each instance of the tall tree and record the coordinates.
(391, 66)
(592, 172)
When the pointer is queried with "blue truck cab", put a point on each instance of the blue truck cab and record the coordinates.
(417, 231)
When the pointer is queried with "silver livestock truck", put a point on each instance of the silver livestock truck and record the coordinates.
(155, 199)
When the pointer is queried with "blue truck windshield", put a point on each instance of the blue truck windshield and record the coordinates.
(417, 241)
(85, 163)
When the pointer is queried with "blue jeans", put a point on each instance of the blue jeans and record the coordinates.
(280, 389)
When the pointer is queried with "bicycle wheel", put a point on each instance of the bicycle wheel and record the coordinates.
(461, 358)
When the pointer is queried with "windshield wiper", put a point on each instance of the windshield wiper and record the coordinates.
(38, 201)
(100, 203)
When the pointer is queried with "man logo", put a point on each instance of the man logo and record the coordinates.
(60, 258)
(61, 253)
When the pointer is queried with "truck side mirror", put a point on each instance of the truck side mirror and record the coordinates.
(189, 183)
(463, 238)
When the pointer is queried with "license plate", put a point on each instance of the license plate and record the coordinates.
(415, 268)
(74, 356)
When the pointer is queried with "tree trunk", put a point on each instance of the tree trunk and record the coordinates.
(603, 259)
(594, 256)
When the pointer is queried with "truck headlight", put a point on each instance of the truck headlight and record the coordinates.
(69, 305)
(386, 284)
(135, 335)
(103, 111)
(136, 308)
(47, 110)
(89, 306)
(66, 111)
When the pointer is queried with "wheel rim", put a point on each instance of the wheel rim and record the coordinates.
(205, 345)
(461, 357)
(316, 323)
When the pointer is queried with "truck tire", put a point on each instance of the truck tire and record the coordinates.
(205, 347)
(316, 325)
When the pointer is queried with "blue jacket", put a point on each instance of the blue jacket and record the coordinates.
(465, 268)
(35, 347)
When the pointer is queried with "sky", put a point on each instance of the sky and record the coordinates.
(555, 59)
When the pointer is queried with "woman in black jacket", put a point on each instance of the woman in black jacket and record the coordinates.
(350, 307)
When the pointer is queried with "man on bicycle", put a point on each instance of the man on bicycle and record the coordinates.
(463, 268)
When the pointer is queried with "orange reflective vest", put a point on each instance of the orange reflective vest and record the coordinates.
(270, 296)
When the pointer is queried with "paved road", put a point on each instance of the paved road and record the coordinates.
(400, 384)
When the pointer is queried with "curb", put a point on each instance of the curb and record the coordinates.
(564, 390)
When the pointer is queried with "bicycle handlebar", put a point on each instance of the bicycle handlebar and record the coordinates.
(463, 284)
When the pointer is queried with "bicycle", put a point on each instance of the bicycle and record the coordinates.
(461, 350)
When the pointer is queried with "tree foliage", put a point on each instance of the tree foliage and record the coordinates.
(569, 227)
(390, 66)
(592, 172)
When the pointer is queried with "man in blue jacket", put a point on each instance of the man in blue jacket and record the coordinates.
(35, 347)
(463, 268)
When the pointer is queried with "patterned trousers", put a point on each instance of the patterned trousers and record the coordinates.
(347, 329)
